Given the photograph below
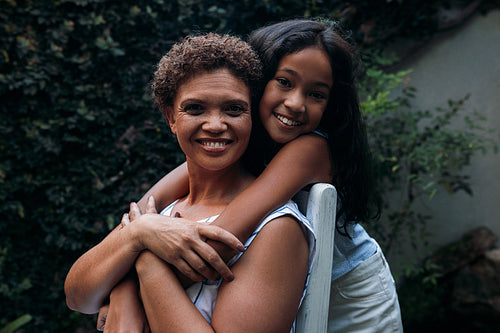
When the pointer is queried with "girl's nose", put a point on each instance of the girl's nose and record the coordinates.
(214, 123)
(295, 102)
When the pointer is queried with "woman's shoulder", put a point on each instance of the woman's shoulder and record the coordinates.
(291, 211)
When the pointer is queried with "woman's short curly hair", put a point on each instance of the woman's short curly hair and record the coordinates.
(205, 53)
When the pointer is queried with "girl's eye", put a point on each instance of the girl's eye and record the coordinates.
(235, 110)
(283, 82)
(318, 95)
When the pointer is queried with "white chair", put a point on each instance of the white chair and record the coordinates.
(319, 205)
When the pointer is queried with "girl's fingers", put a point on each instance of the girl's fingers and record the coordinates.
(101, 319)
(151, 206)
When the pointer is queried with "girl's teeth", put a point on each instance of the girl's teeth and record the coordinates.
(287, 121)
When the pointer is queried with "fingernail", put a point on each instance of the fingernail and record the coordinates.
(230, 278)
(240, 247)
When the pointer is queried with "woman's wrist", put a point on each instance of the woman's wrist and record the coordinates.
(146, 263)
(135, 232)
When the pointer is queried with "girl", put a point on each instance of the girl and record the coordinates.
(309, 129)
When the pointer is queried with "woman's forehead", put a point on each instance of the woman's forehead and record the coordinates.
(220, 83)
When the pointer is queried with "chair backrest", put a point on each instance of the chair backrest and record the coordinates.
(319, 205)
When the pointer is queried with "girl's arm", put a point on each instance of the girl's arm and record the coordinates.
(303, 161)
(172, 186)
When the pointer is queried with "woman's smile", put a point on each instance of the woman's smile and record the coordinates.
(211, 118)
(214, 145)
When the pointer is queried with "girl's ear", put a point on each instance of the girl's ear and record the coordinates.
(169, 111)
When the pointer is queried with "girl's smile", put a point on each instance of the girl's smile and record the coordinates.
(295, 99)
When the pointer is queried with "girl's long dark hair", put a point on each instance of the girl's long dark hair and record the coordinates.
(342, 120)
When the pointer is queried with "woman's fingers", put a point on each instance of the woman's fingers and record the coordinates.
(184, 268)
(125, 220)
(151, 206)
(134, 212)
(210, 265)
(211, 270)
(218, 234)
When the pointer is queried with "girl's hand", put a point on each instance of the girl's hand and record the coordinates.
(124, 313)
(182, 243)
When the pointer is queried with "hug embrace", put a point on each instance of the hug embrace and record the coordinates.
(258, 122)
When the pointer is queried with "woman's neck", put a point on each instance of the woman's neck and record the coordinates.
(211, 191)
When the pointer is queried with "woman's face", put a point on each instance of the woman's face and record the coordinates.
(211, 118)
(295, 99)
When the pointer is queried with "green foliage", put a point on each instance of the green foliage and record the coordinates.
(79, 138)
(16, 324)
(417, 153)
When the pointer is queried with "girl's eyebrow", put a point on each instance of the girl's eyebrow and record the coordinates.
(294, 73)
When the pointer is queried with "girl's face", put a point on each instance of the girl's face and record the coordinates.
(295, 99)
(211, 119)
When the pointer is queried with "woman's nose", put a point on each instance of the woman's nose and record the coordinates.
(295, 102)
(214, 123)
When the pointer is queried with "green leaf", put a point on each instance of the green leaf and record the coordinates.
(16, 324)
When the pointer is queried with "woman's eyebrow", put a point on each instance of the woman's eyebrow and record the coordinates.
(191, 101)
(238, 101)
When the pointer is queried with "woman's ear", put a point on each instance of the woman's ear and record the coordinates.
(169, 111)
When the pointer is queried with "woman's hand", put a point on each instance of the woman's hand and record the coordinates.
(182, 243)
(124, 313)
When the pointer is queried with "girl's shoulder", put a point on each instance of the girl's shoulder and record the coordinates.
(316, 137)
(310, 153)
(311, 143)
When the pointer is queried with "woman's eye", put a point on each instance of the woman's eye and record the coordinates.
(193, 109)
(283, 82)
(235, 110)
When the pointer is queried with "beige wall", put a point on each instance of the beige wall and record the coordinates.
(463, 61)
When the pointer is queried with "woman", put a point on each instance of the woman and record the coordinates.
(204, 86)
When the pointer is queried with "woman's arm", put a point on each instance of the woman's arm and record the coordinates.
(264, 297)
(172, 186)
(94, 274)
(303, 161)
(124, 313)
